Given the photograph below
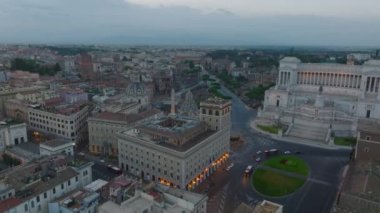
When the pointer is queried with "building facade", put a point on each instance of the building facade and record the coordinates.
(368, 140)
(68, 123)
(102, 129)
(12, 134)
(57, 146)
(350, 91)
(178, 151)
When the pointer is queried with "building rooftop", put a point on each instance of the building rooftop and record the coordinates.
(96, 185)
(9, 204)
(178, 133)
(58, 107)
(56, 142)
(369, 125)
(127, 118)
(77, 199)
(215, 102)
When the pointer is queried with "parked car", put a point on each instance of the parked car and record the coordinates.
(259, 152)
(287, 152)
(102, 161)
(258, 159)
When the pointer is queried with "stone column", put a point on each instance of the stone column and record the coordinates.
(345, 76)
(328, 79)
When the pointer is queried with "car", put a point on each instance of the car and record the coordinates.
(258, 159)
(229, 167)
(259, 152)
(287, 152)
(81, 154)
(102, 161)
(248, 171)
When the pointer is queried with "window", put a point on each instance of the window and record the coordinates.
(62, 186)
(368, 138)
(76, 179)
(26, 207)
(366, 149)
(32, 203)
(45, 195)
(68, 183)
(38, 198)
(54, 190)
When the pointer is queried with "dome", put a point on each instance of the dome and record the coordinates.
(136, 90)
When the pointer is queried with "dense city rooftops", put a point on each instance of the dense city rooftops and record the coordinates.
(38, 176)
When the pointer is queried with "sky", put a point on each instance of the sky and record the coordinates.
(192, 22)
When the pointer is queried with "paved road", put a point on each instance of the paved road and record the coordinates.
(317, 194)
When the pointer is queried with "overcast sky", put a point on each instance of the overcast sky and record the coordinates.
(214, 22)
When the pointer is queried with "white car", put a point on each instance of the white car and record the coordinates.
(287, 152)
(229, 167)
(102, 161)
(258, 159)
(259, 152)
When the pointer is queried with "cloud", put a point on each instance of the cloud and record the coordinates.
(249, 8)
(179, 22)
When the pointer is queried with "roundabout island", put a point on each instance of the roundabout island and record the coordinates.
(280, 176)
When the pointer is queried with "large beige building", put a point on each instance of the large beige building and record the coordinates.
(178, 151)
(65, 121)
(102, 129)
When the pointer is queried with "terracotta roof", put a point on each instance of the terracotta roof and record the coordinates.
(9, 204)
(128, 118)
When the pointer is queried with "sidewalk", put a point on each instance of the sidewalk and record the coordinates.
(253, 125)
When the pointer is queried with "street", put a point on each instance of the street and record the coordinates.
(316, 195)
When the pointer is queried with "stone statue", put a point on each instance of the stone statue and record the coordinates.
(320, 89)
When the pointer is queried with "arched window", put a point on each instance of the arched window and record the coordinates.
(217, 112)
(210, 112)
